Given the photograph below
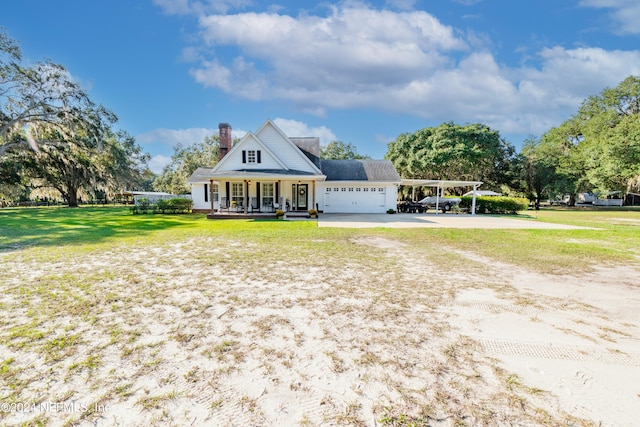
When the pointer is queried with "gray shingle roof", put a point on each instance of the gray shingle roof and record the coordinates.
(200, 174)
(205, 174)
(335, 170)
(360, 170)
(310, 147)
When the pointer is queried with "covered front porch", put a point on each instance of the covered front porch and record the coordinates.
(262, 194)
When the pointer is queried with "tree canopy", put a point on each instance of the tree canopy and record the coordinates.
(38, 95)
(338, 150)
(597, 149)
(53, 138)
(184, 161)
(472, 152)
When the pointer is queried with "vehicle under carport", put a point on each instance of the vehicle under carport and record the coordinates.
(440, 185)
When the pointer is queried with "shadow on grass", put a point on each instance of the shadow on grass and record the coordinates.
(26, 227)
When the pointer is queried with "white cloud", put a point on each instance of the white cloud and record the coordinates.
(625, 14)
(157, 162)
(467, 2)
(402, 4)
(294, 128)
(188, 7)
(353, 49)
(404, 62)
(173, 137)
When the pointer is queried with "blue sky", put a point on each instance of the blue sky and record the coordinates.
(355, 71)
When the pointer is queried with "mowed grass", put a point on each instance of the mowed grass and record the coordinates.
(99, 302)
(615, 239)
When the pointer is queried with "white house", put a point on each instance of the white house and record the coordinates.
(267, 170)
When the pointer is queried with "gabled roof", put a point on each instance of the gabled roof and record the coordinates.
(360, 170)
(250, 136)
(305, 157)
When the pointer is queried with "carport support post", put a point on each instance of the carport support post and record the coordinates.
(437, 197)
(473, 203)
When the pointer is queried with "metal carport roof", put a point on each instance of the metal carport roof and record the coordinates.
(443, 183)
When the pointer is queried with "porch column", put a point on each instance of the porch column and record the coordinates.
(211, 194)
(246, 196)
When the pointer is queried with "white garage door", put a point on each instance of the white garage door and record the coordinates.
(354, 200)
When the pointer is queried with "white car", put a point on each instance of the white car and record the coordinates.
(444, 203)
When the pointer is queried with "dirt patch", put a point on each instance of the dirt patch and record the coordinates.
(379, 242)
(208, 332)
(576, 336)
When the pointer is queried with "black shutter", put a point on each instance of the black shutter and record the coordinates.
(259, 157)
(206, 192)
(228, 194)
(258, 194)
(244, 156)
(277, 193)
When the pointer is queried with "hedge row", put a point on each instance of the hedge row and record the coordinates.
(177, 205)
(495, 204)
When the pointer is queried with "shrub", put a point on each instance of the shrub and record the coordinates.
(142, 206)
(180, 205)
(177, 205)
(495, 204)
(162, 205)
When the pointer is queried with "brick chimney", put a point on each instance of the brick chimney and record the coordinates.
(225, 138)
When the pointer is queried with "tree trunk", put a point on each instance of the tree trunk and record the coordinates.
(72, 197)
(538, 195)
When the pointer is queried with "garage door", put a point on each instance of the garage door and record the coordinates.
(354, 200)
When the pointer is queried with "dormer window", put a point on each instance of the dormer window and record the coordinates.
(251, 156)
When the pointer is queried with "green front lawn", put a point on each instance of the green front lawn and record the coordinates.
(616, 239)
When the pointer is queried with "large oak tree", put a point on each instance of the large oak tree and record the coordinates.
(52, 136)
(598, 148)
(472, 152)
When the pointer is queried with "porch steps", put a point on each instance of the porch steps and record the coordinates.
(255, 215)
(293, 214)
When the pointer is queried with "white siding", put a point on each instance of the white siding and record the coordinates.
(197, 195)
(286, 151)
(233, 160)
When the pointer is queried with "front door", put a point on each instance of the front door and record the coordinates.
(300, 197)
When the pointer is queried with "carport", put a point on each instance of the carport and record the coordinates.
(441, 185)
